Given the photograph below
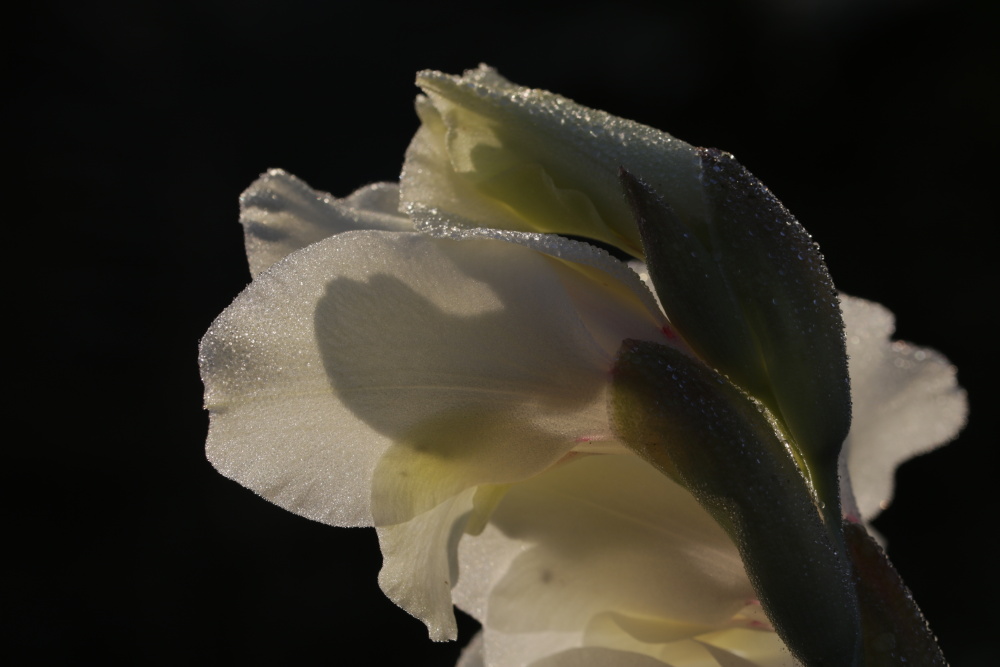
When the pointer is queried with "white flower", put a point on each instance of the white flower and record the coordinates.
(379, 378)
(451, 388)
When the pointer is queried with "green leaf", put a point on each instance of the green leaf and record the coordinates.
(698, 428)
(748, 290)
(693, 287)
(781, 281)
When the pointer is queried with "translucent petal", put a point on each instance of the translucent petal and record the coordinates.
(472, 654)
(681, 653)
(281, 214)
(597, 657)
(501, 649)
(484, 561)
(610, 526)
(906, 402)
(515, 158)
(373, 377)
(420, 562)
(739, 647)
(565, 550)
(732, 647)
(736, 646)
(276, 426)
(490, 399)
(608, 303)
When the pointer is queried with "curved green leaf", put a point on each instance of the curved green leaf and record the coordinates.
(781, 282)
(748, 290)
(695, 426)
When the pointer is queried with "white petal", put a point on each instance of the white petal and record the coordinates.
(608, 545)
(597, 657)
(484, 561)
(514, 158)
(513, 650)
(682, 653)
(419, 564)
(281, 214)
(607, 305)
(501, 396)
(276, 426)
(906, 402)
(456, 362)
(472, 654)
(735, 646)
(600, 529)
(741, 647)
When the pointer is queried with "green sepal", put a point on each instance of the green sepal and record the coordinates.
(748, 290)
(695, 426)
(779, 276)
(894, 630)
(693, 288)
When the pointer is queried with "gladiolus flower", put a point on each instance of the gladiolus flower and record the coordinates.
(433, 360)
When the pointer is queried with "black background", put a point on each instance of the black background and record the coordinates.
(135, 126)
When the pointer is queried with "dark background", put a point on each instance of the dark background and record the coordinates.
(135, 126)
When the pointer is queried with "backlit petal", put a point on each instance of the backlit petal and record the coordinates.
(489, 395)
(906, 402)
(281, 214)
(742, 647)
(591, 536)
(597, 657)
(373, 377)
(511, 157)
(472, 654)
(419, 564)
(502, 650)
